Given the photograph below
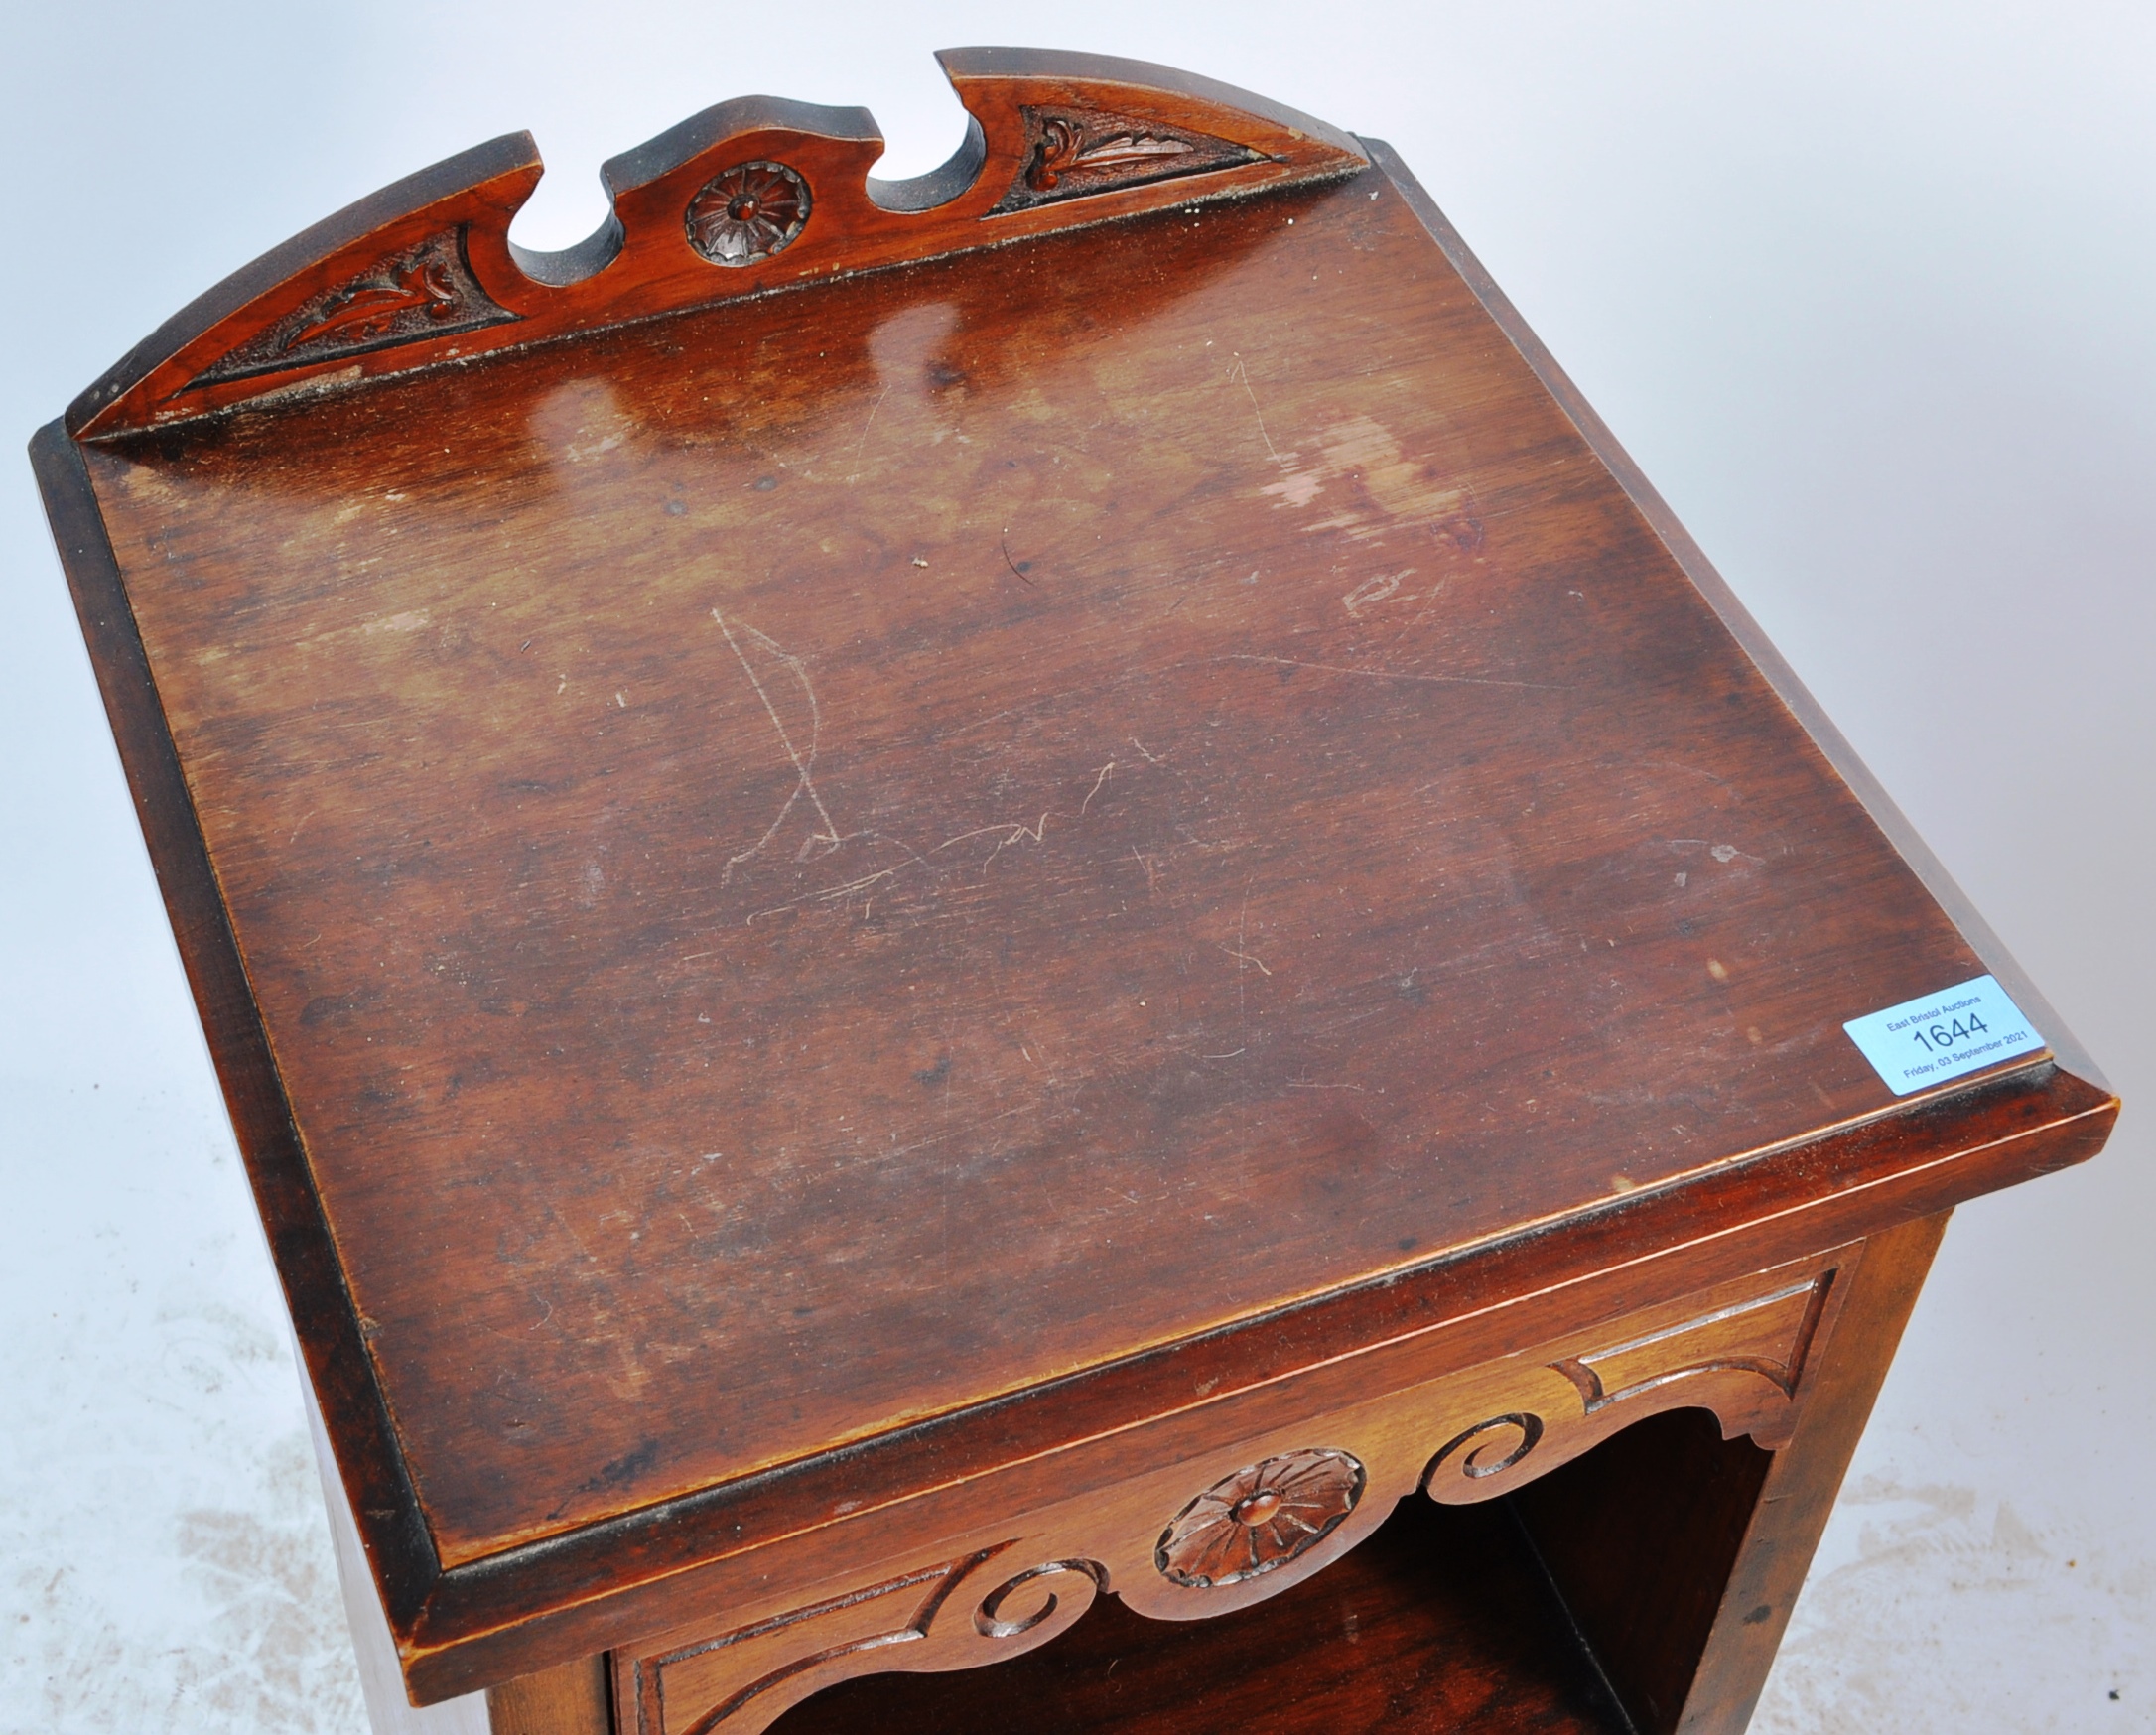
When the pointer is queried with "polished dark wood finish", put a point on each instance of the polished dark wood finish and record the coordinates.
(749, 197)
(840, 918)
(391, 1526)
(1200, 1521)
(1441, 1622)
(1681, 1555)
(1691, 559)
(1799, 1492)
(1639, 1537)
(575, 1698)
(1676, 1543)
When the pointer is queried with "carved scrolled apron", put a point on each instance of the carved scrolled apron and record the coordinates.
(1190, 1539)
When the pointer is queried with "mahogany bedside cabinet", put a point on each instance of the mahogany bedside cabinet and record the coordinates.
(1022, 951)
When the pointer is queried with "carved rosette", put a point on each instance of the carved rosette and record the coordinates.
(1741, 1352)
(1071, 152)
(747, 213)
(1260, 1519)
(426, 291)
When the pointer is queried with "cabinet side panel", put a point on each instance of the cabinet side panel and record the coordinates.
(1681, 1555)
(398, 1548)
(1799, 1494)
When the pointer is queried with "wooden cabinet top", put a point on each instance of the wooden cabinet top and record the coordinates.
(816, 871)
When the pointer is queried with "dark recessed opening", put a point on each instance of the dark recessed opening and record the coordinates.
(1440, 1620)
(1448, 1620)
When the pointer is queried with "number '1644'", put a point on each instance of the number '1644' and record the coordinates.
(1947, 1035)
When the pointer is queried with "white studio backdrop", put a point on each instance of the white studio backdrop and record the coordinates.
(1867, 289)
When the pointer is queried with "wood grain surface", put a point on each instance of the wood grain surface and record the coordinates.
(1796, 1495)
(815, 898)
(574, 1698)
(1224, 1524)
(1441, 1621)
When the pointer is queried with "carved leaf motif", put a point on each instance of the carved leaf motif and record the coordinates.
(1060, 143)
(1077, 151)
(371, 309)
(426, 291)
(1125, 151)
(1063, 146)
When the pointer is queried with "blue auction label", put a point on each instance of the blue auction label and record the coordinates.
(1957, 1030)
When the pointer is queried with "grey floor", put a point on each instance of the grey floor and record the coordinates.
(1866, 289)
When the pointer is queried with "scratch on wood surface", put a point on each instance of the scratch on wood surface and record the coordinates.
(993, 716)
(1240, 373)
(1017, 571)
(1390, 674)
(1012, 831)
(870, 423)
(805, 783)
(949, 1131)
(1006, 832)
(1690, 771)
(1379, 589)
(1241, 955)
(829, 894)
